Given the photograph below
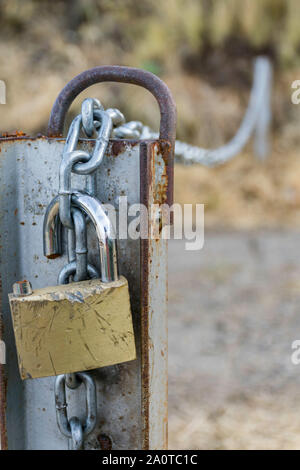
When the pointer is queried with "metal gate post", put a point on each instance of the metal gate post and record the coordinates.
(131, 397)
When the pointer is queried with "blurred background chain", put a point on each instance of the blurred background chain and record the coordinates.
(256, 122)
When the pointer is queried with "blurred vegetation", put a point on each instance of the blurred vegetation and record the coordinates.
(155, 34)
(203, 49)
(46, 42)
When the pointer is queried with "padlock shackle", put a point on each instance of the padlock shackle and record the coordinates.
(105, 234)
(114, 73)
(104, 230)
(52, 226)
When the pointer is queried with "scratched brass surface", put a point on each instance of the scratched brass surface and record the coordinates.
(73, 327)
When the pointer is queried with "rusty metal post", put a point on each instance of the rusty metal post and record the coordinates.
(132, 397)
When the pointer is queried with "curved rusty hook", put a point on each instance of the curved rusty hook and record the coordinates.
(114, 73)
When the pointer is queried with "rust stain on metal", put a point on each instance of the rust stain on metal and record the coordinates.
(165, 147)
(166, 150)
(145, 184)
(3, 389)
(105, 442)
(153, 188)
(53, 256)
(6, 137)
(161, 188)
(13, 134)
(117, 147)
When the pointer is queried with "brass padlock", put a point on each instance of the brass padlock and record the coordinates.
(78, 326)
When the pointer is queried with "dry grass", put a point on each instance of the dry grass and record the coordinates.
(258, 423)
(245, 193)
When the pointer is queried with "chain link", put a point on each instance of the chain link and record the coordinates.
(73, 428)
(80, 270)
(93, 120)
(89, 123)
(92, 117)
(77, 433)
(256, 121)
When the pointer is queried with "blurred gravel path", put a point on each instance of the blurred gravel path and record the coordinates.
(234, 310)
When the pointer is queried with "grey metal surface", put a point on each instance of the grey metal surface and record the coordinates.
(131, 397)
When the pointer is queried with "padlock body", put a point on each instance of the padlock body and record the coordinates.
(73, 327)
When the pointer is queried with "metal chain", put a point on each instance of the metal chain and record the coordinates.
(73, 428)
(77, 257)
(80, 270)
(95, 122)
(77, 266)
(92, 118)
(256, 121)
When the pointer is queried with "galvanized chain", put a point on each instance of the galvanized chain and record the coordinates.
(256, 121)
(79, 269)
(77, 266)
(95, 122)
(73, 428)
(92, 118)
